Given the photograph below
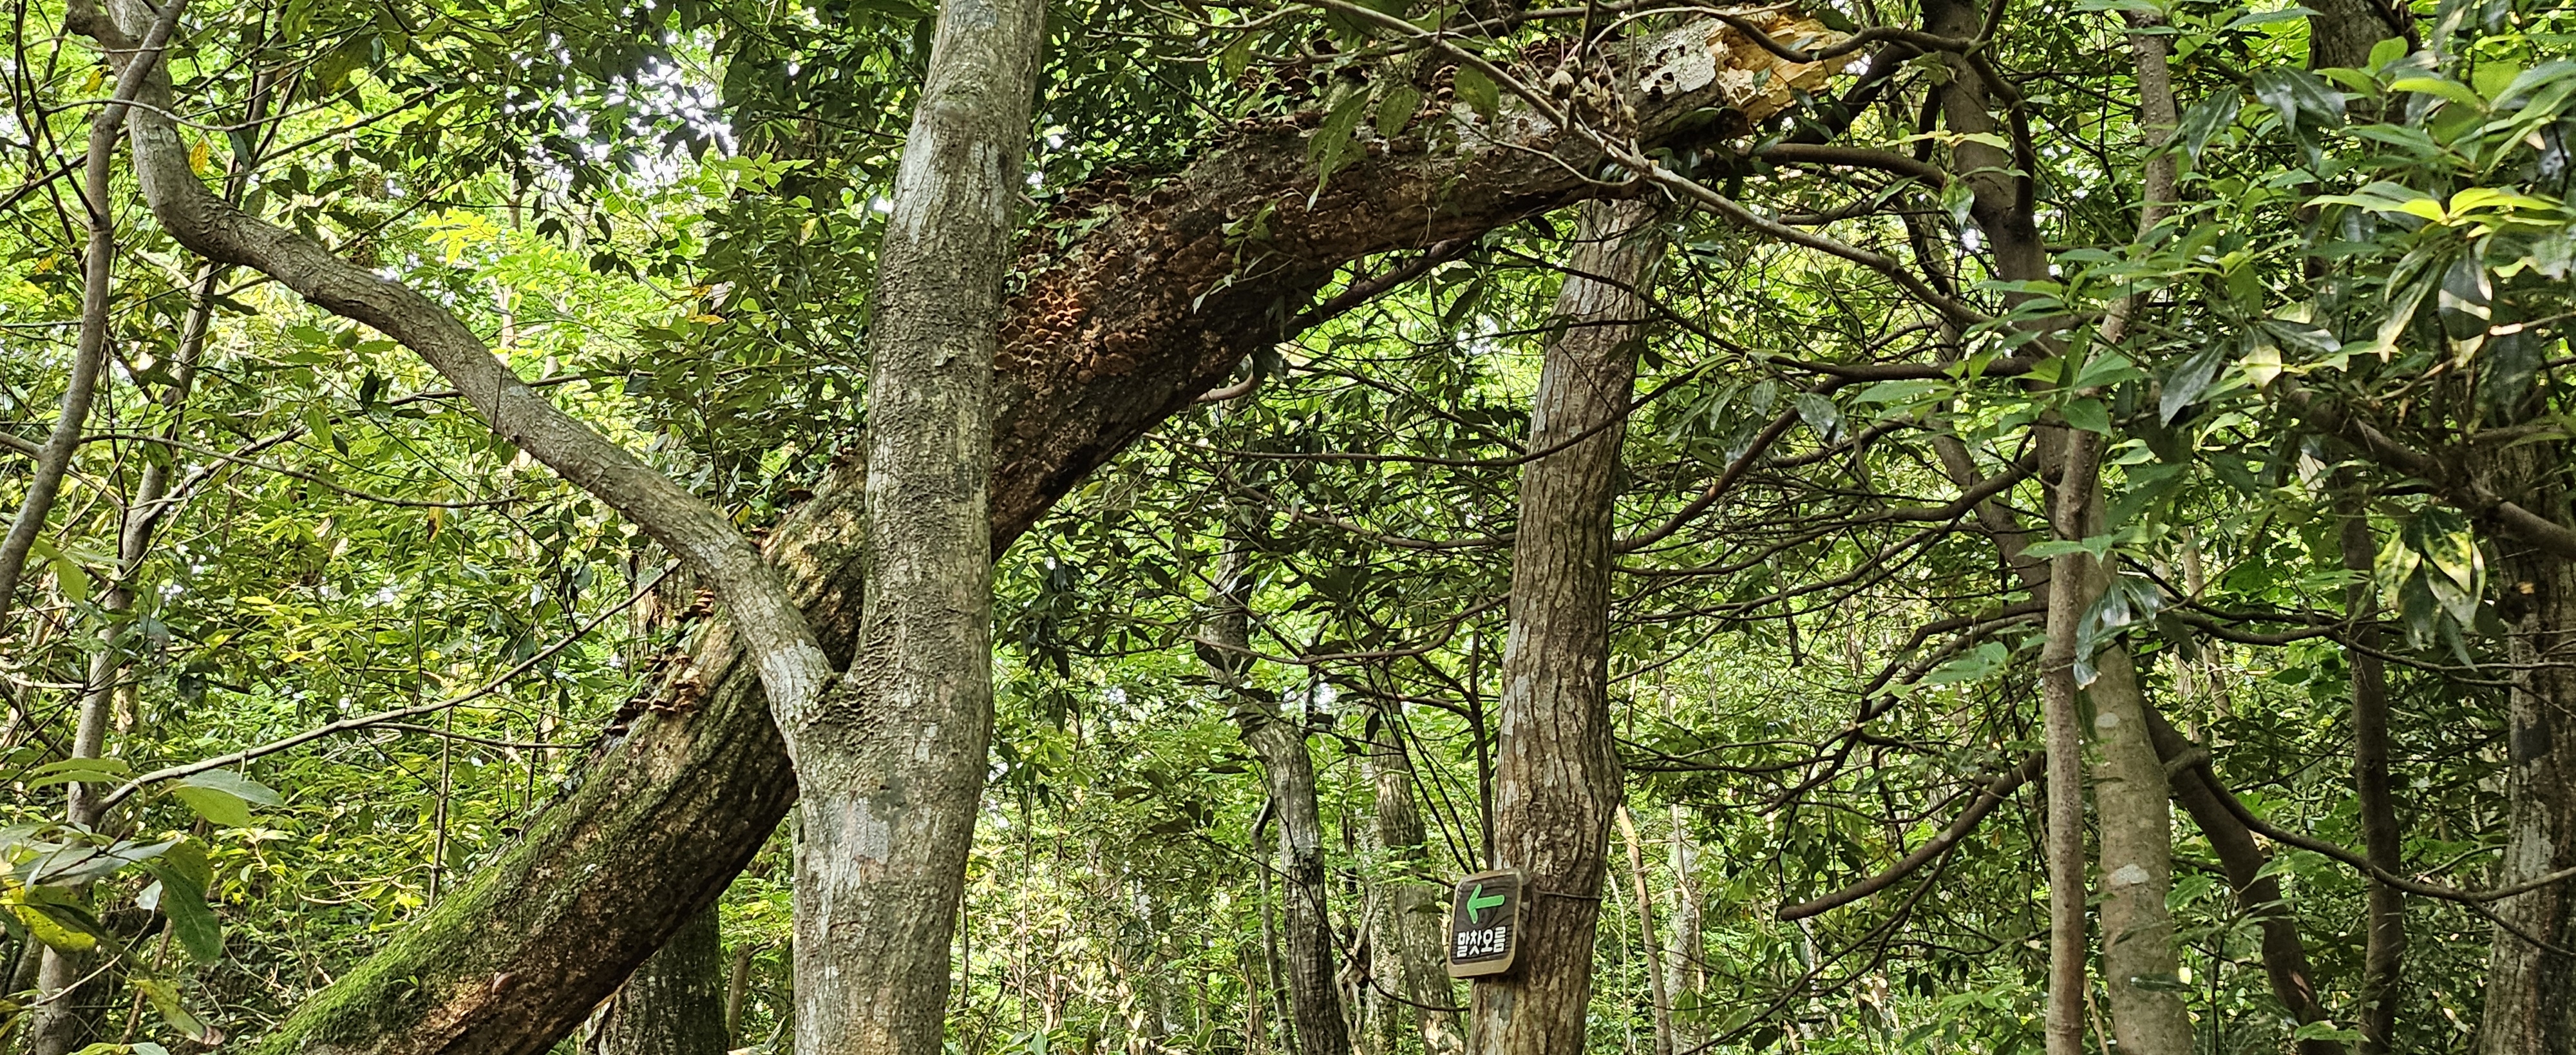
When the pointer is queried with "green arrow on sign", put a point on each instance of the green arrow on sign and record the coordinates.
(1478, 902)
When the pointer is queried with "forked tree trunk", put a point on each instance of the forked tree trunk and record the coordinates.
(1556, 769)
(1412, 923)
(890, 766)
(675, 1003)
(1093, 360)
(1278, 740)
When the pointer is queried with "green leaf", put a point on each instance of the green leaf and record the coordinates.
(221, 808)
(2448, 90)
(1478, 92)
(191, 922)
(164, 997)
(2088, 414)
(53, 932)
(2183, 387)
(234, 784)
(1395, 111)
(81, 771)
(2204, 121)
(2265, 18)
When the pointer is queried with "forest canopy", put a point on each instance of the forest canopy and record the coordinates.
(1925, 527)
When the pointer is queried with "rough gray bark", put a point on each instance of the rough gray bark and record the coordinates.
(1278, 740)
(2384, 906)
(1091, 359)
(2531, 991)
(1556, 769)
(890, 767)
(2342, 32)
(1412, 927)
(675, 1003)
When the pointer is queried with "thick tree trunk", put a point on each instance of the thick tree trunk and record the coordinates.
(2531, 991)
(1412, 924)
(891, 766)
(1278, 740)
(1556, 769)
(675, 1003)
(2384, 907)
(1091, 359)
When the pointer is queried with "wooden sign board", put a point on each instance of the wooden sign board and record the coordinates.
(1485, 924)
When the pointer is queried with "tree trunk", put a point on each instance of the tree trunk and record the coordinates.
(1413, 921)
(2141, 970)
(1556, 769)
(2384, 906)
(1091, 360)
(891, 766)
(1278, 740)
(675, 1003)
(1656, 989)
(1682, 955)
(2531, 991)
(2285, 958)
(2067, 572)
(2342, 32)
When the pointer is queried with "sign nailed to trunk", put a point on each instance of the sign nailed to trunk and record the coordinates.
(1485, 924)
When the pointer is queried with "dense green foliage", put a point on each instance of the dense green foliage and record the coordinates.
(668, 212)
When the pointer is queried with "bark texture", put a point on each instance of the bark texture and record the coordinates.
(62, 1021)
(2531, 990)
(1308, 959)
(1090, 360)
(675, 1003)
(1413, 920)
(890, 767)
(2141, 969)
(1556, 768)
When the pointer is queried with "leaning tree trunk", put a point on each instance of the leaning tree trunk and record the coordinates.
(2531, 991)
(2258, 891)
(1413, 918)
(675, 1003)
(890, 767)
(1556, 768)
(1288, 774)
(1091, 361)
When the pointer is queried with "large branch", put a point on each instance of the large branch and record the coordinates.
(694, 530)
(1091, 359)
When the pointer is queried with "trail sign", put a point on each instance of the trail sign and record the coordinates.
(1485, 924)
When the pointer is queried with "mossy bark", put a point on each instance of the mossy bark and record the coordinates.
(1090, 360)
